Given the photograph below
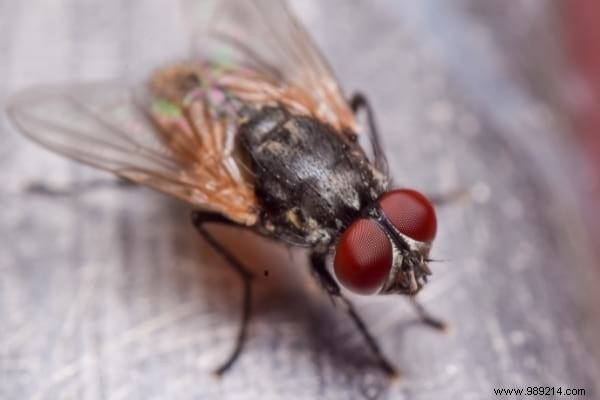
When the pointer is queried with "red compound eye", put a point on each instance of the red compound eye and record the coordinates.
(363, 257)
(411, 213)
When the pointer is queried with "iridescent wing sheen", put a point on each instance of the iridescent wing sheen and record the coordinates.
(143, 137)
(263, 36)
(176, 132)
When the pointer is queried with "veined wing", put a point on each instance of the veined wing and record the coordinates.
(177, 132)
(264, 37)
(143, 138)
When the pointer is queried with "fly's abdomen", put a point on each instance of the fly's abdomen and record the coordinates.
(309, 178)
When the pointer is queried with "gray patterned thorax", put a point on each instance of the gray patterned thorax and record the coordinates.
(311, 181)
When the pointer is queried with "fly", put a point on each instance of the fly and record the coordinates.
(254, 132)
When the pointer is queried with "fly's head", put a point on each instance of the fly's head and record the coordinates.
(387, 250)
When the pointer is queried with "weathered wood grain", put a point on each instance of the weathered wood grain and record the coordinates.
(110, 295)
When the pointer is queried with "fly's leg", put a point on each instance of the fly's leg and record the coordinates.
(199, 219)
(426, 317)
(453, 197)
(44, 189)
(332, 288)
(360, 102)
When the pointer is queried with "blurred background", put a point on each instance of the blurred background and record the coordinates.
(110, 294)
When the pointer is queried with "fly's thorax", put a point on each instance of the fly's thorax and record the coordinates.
(311, 181)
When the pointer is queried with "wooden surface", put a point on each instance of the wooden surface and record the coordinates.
(111, 295)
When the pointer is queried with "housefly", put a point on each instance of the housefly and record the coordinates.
(252, 129)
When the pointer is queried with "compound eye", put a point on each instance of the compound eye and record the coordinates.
(411, 213)
(363, 257)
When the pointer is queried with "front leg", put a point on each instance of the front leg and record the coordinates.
(452, 197)
(426, 317)
(329, 284)
(358, 102)
(199, 220)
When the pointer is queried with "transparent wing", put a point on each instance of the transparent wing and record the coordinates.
(263, 36)
(141, 138)
(176, 131)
